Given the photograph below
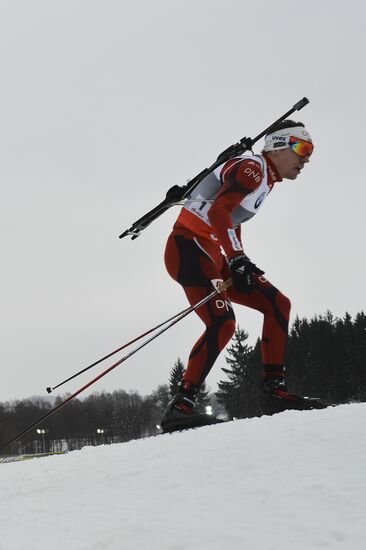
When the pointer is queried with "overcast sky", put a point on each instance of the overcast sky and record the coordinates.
(104, 106)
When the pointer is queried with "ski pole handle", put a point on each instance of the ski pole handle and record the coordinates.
(224, 285)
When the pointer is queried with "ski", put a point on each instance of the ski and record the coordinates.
(183, 426)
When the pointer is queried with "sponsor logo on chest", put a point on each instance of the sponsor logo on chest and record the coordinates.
(259, 200)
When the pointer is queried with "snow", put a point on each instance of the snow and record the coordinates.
(292, 481)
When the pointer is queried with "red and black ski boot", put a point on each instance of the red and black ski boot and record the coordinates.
(182, 413)
(276, 398)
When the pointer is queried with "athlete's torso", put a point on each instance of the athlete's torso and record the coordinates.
(203, 196)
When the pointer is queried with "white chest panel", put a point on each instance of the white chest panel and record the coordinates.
(199, 203)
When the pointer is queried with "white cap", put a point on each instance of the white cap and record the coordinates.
(281, 138)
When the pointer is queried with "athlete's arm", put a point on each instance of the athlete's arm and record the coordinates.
(239, 179)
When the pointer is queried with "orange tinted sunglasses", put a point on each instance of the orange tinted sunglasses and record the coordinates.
(300, 146)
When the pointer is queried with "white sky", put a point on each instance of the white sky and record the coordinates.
(105, 105)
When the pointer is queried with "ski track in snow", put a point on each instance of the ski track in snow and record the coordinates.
(292, 481)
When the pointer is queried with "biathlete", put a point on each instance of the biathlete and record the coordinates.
(205, 248)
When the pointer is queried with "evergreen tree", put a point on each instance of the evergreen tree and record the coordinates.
(359, 335)
(326, 358)
(176, 375)
(240, 393)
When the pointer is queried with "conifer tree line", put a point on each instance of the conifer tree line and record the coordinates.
(326, 357)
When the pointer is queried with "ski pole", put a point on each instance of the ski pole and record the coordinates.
(221, 287)
(177, 193)
(50, 389)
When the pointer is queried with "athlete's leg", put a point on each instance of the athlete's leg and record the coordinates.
(275, 307)
(195, 265)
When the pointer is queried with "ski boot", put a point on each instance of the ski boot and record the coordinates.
(182, 412)
(276, 398)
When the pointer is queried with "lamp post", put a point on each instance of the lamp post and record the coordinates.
(41, 431)
(100, 431)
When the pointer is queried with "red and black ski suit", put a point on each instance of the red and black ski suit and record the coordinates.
(209, 223)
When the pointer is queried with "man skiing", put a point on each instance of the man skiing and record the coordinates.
(205, 248)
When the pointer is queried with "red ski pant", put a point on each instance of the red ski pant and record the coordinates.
(197, 264)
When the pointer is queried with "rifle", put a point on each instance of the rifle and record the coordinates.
(177, 193)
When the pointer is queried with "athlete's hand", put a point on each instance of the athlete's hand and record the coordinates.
(242, 272)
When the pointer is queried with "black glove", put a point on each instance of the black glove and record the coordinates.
(242, 271)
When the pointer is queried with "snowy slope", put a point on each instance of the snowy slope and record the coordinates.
(289, 482)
